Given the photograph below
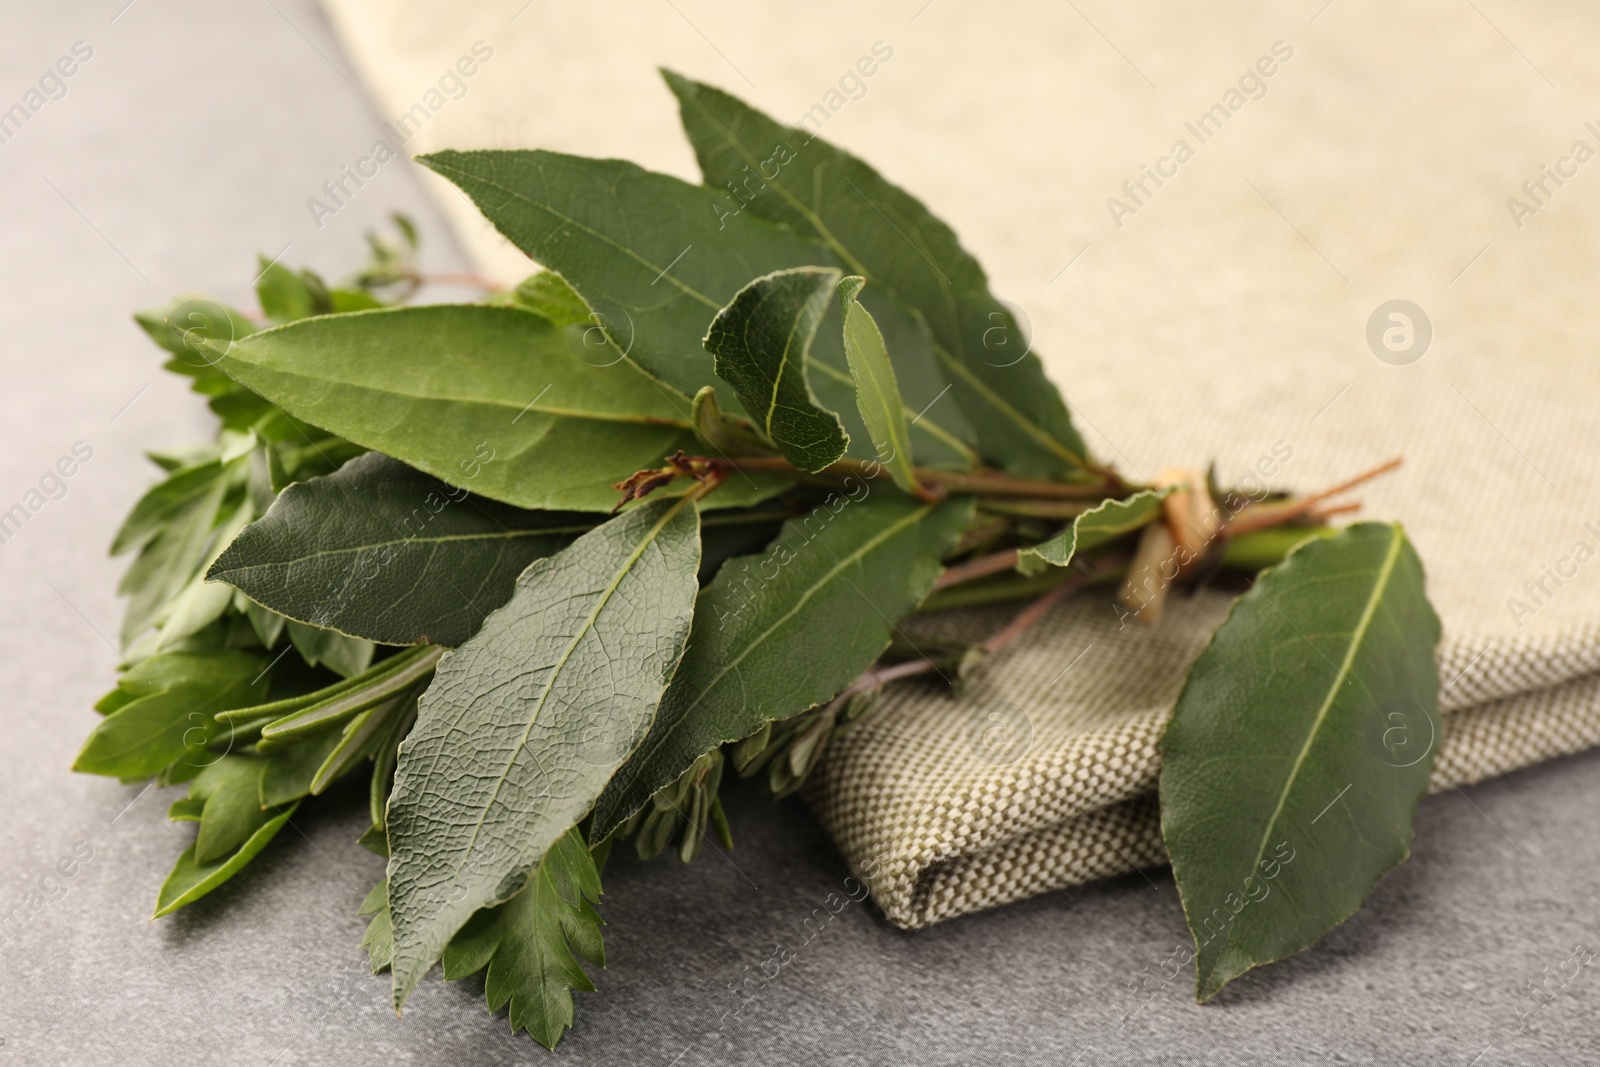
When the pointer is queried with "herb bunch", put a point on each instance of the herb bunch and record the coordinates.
(544, 570)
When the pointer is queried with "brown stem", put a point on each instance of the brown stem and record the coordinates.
(997, 641)
(981, 567)
(1261, 516)
(1036, 610)
(990, 482)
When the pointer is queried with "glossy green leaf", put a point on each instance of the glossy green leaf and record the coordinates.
(761, 343)
(190, 880)
(1106, 521)
(877, 388)
(382, 551)
(531, 944)
(1301, 744)
(654, 256)
(554, 691)
(881, 232)
(778, 633)
(173, 716)
(491, 399)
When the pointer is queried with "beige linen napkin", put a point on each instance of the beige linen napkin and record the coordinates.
(1211, 301)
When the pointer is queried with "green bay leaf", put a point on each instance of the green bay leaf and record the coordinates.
(383, 551)
(877, 388)
(761, 343)
(555, 690)
(655, 257)
(777, 633)
(1301, 744)
(881, 232)
(1104, 522)
(495, 400)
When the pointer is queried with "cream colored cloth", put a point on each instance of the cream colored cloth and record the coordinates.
(1218, 313)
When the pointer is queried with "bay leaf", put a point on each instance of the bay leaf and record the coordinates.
(876, 387)
(761, 343)
(1301, 744)
(1106, 521)
(879, 231)
(495, 400)
(383, 551)
(654, 257)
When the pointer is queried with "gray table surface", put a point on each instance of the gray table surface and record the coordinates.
(189, 142)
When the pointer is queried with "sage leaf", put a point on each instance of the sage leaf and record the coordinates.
(762, 343)
(532, 943)
(1301, 744)
(783, 631)
(1106, 521)
(877, 389)
(879, 231)
(382, 551)
(492, 399)
(554, 691)
(190, 879)
(654, 256)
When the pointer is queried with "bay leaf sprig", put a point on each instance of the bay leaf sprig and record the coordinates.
(534, 575)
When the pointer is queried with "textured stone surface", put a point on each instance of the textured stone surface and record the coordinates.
(190, 141)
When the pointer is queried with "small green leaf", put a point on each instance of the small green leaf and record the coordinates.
(778, 633)
(379, 938)
(555, 690)
(174, 718)
(284, 295)
(1106, 521)
(762, 343)
(1300, 746)
(229, 791)
(531, 944)
(877, 390)
(191, 880)
(380, 550)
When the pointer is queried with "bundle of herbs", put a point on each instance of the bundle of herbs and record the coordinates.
(546, 569)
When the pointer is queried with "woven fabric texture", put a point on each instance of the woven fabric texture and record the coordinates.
(1222, 312)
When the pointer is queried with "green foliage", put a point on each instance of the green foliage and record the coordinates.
(1301, 745)
(1106, 521)
(877, 230)
(555, 690)
(644, 579)
(406, 556)
(877, 388)
(762, 343)
(785, 630)
(494, 400)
